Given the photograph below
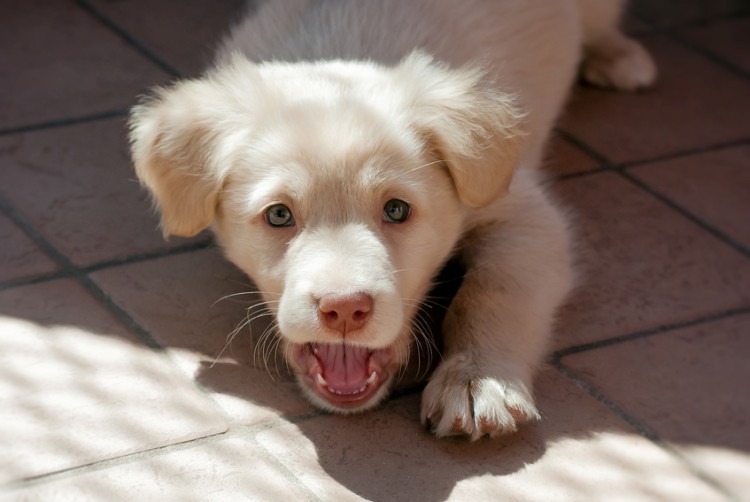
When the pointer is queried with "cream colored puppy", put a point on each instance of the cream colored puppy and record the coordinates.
(343, 151)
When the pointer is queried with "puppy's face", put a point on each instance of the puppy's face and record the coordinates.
(341, 223)
(339, 188)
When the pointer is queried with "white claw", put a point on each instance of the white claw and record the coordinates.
(321, 380)
(373, 377)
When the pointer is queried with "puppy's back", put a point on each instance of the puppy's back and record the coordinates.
(516, 40)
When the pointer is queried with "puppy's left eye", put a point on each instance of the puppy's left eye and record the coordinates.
(396, 211)
(279, 215)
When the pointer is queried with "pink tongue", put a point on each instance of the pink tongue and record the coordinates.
(344, 366)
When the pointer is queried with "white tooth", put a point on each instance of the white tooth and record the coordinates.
(373, 377)
(320, 379)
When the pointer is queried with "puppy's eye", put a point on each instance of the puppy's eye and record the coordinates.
(396, 211)
(279, 215)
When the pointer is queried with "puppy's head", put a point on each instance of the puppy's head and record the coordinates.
(340, 188)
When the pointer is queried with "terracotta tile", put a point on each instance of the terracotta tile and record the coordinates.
(579, 452)
(695, 103)
(155, 25)
(642, 264)
(59, 62)
(179, 301)
(19, 255)
(728, 39)
(227, 470)
(714, 186)
(673, 12)
(77, 187)
(563, 158)
(688, 385)
(78, 388)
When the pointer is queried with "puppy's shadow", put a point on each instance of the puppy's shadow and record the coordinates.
(385, 453)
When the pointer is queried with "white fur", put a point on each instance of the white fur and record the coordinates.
(333, 109)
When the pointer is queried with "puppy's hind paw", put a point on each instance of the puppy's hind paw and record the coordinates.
(457, 402)
(625, 66)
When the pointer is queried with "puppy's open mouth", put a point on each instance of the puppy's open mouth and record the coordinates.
(346, 376)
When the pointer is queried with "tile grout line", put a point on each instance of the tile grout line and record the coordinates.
(671, 32)
(605, 165)
(583, 147)
(127, 38)
(726, 239)
(125, 459)
(108, 264)
(642, 429)
(707, 54)
(235, 431)
(71, 271)
(120, 314)
(646, 333)
(207, 243)
(716, 147)
(620, 170)
(33, 279)
(286, 471)
(52, 124)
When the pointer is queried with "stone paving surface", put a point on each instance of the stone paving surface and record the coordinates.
(114, 384)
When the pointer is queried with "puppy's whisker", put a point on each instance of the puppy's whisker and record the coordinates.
(421, 166)
(286, 354)
(430, 303)
(230, 337)
(258, 344)
(418, 345)
(420, 332)
(276, 345)
(426, 303)
(405, 354)
(267, 346)
(234, 295)
(259, 307)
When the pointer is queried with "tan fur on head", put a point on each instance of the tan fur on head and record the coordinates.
(172, 147)
(179, 147)
(475, 129)
(184, 139)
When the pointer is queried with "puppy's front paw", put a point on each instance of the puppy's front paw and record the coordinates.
(461, 400)
(626, 66)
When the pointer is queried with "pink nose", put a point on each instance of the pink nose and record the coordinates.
(344, 313)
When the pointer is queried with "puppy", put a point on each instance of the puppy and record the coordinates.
(342, 152)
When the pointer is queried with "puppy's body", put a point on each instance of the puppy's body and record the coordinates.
(340, 169)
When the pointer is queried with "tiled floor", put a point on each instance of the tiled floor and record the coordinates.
(113, 383)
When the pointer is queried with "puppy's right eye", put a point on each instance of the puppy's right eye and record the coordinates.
(279, 215)
(396, 211)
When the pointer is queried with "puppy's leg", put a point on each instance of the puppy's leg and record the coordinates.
(611, 59)
(518, 272)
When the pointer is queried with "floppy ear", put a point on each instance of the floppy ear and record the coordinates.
(476, 130)
(174, 148)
